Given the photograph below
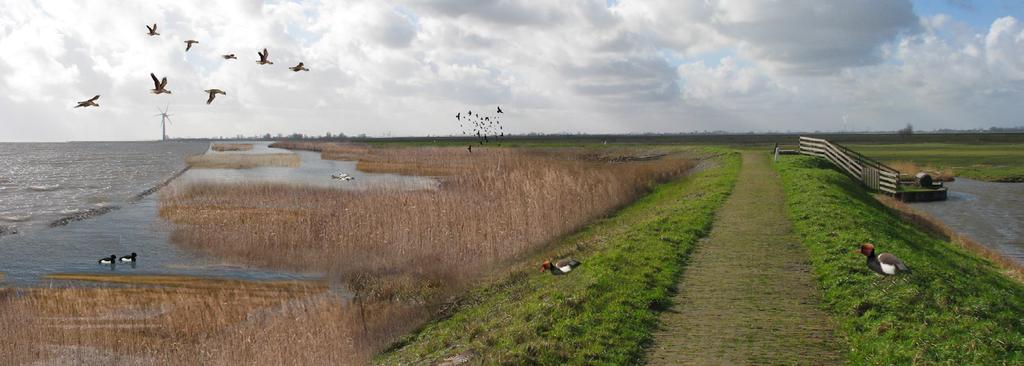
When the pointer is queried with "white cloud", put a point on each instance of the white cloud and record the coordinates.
(406, 66)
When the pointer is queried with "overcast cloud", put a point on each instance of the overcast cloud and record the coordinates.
(406, 67)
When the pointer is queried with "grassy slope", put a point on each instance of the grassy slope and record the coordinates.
(955, 308)
(604, 311)
(990, 162)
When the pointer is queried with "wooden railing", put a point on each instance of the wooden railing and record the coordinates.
(872, 173)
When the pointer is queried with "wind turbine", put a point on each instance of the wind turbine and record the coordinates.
(164, 120)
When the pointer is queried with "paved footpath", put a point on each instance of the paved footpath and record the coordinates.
(747, 296)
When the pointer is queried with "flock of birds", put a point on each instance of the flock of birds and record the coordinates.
(484, 127)
(160, 84)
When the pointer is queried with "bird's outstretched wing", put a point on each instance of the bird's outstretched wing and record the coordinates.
(93, 99)
(212, 95)
(149, 28)
(156, 82)
(892, 260)
(163, 82)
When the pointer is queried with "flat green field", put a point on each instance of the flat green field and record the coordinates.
(994, 162)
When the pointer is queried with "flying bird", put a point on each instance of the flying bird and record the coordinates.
(188, 44)
(298, 68)
(159, 85)
(89, 103)
(152, 30)
(884, 264)
(470, 148)
(229, 56)
(458, 116)
(213, 94)
(263, 58)
(499, 109)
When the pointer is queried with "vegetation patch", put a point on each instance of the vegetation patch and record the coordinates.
(242, 161)
(604, 311)
(954, 308)
(993, 162)
(231, 147)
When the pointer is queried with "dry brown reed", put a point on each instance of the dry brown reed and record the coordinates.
(936, 227)
(910, 169)
(494, 205)
(327, 150)
(242, 161)
(196, 321)
(231, 147)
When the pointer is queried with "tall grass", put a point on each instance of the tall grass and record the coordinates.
(194, 321)
(231, 147)
(242, 161)
(494, 205)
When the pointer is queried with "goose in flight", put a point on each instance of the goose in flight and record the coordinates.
(89, 103)
(263, 58)
(298, 68)
(152, 30)
(499, 109)
(159, 85)
(229, 56)
(213, 94)
(189, 43)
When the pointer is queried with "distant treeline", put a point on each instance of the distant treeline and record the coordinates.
(991, 135)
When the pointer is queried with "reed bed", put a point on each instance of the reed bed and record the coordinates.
(196, 321)
(327, 150)
(493, 206)
(242, 161)
(231, 147)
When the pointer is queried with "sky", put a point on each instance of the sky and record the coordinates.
(404, 68)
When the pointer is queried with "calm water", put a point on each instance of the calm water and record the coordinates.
(80, 176)
(990, 213)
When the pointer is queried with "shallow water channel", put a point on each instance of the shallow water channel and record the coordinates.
(136, 227)
(990, 213)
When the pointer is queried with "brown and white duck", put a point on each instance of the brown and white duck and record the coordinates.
(229, 56)
(189, 43)
(89, 103)
(299, 67)
(159, 85)
(561, 266)
(152, 30)
(884, 264)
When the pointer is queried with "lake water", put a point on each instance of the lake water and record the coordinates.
(80, 176)
(990, 213)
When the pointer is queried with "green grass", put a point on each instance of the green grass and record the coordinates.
(954, 308)
(601, 313)
(990, 162)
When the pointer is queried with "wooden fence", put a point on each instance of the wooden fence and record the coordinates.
(872, 173)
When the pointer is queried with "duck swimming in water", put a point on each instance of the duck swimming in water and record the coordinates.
(129, 258)
(108, 260)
